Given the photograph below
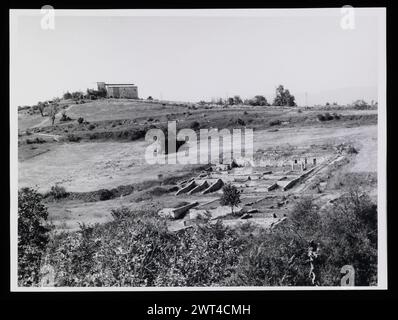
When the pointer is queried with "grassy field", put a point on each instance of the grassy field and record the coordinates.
(129, 120)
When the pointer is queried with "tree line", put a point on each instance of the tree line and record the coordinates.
(283, 97)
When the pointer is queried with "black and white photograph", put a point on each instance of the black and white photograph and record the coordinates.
(198, 149)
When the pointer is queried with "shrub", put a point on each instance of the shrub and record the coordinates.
(33, 236)
(361, 105)
(240, 122)
(67, 95)
(36, 140)
(64, 117)
(328, 116)
(105, 194)
(351, 231)
(72, 138)
(336, 116)
(58, 192)
(91, 127)
(121, 213)
(195, 125)
(80, 120)
(137, 249)
(351, 150)
(258, 101)
(274, 122)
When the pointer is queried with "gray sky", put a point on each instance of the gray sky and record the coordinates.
(195, 58)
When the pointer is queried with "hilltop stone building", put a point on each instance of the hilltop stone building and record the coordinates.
(125, 90)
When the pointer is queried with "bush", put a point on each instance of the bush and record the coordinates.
(274, 122)
(80, 120)
(258, 101)
(58, 192)
(91, 127)
(351, 231)
(361, 105)
(33, 236)
(344, 235)
(64, 117)
(195, 125)
(72, 138)
(105, 195)
(121, 213)
(351, 150)
(67, 95)
(240, 122)
(328, 116)
(36, 140)
(137, 249)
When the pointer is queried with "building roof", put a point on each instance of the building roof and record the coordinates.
(120, 85)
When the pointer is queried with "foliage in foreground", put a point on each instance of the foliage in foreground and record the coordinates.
(345, 234)
(33, 236)
(138, 250)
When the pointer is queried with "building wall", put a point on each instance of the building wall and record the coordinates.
(123, 92)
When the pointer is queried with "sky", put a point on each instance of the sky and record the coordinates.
(196, 57)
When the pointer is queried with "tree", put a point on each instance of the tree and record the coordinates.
(283, 97)
(361, 105)
(237, 100)
(52, 112)
(259, 101)
(231, 101)
(32, 235)
(40, 106)
(77, 95)
(230, 197)
(67, 95)
(220, 101)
